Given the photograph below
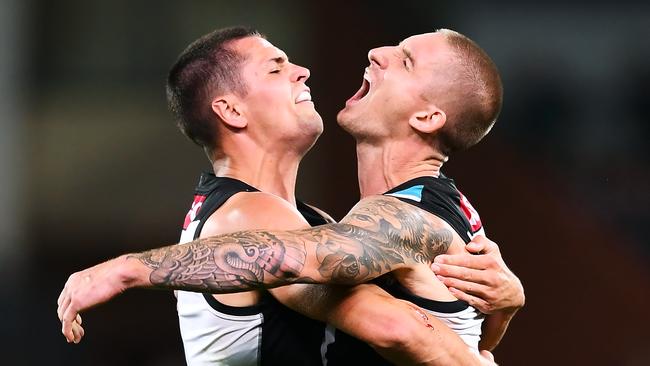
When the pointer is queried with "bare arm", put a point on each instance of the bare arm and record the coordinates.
(398, 330)
(379, 235)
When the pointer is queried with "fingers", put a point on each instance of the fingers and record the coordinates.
(64, 303)
(461, 273)
(465, 286)
(61, 296)
(464, 260)
(481, 245)
(66, 329)
(477, 245)
(69, 316)
(479, 304)
(77, 332)
(70, 321)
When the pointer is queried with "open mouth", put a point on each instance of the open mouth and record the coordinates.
(363, 91)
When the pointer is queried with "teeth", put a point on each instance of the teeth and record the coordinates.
(366, 75)
(303, 96)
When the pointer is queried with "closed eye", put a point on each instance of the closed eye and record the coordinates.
(275, 72)
(407, 59)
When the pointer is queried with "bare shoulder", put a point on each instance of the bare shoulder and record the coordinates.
(253, 211)
(393, 211)
(404, 223)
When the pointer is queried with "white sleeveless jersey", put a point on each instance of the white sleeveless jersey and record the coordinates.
(466, 323)
(263, 334)
(211, 337)
(440, 197)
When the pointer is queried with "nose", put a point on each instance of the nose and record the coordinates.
(300, 74)
(377, 56)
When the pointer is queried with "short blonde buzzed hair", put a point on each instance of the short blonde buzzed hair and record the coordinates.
(477, 91)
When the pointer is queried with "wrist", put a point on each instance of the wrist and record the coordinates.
(518, 298)
(509, 312)
(131, 272)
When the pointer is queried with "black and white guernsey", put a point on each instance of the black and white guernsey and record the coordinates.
(266, 333)
(439, 196)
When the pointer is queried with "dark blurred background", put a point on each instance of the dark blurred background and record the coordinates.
(92, 166)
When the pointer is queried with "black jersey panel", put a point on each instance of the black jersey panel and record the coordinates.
(287, 338)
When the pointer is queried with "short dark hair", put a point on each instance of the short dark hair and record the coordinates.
(478, 92)
(207, 67)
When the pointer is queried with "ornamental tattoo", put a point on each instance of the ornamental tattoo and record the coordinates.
(379, 234)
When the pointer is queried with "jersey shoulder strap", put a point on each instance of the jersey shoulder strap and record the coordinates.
(211, 193)
(439, 196)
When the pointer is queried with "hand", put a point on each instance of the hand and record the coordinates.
(86, 289)
(481, 277)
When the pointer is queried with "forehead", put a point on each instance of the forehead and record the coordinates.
(257, 49)
(427, 47)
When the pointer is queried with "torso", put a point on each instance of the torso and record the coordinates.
(250, 328)
(440, 197)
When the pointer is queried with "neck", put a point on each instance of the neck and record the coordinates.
(270, 172)
(385, 165)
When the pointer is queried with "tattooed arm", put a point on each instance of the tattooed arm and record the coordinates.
(380, 234)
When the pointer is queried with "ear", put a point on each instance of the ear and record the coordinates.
(428, 121)
(229, 109)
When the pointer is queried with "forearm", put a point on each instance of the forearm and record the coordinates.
(403, 333)
(398, 330)
(438, 346)
(221, 264)
(494, 328)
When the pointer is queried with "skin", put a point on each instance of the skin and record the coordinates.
(253, 157)
(97, 284)
(321, 254)
(480, 277)
(411, 92)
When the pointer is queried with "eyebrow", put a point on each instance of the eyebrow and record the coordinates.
(278, 60)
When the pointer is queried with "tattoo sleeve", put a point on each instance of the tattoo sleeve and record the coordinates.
(379, 235)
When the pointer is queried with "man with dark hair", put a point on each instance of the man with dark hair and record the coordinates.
(205, 68)
(406, 118)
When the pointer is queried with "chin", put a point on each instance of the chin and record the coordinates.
(313, 126)
(346, 122)
(307, 138)
(342, 118)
